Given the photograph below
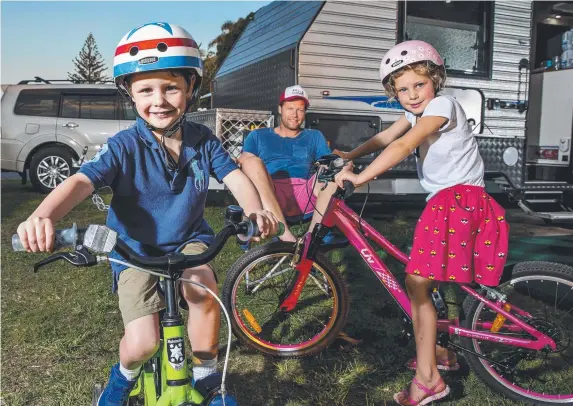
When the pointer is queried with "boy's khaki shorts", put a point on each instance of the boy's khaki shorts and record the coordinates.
(139, 293)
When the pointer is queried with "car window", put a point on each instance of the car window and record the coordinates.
(127, 110)
(37, 102)
(95, 107)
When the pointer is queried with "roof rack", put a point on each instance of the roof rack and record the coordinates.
(38, 79)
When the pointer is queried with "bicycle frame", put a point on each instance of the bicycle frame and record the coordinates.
(176, 386)
(339, 215)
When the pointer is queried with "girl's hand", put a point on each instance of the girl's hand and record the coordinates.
(346, 175)
(267, 223)
(342, 154)
(37, 234)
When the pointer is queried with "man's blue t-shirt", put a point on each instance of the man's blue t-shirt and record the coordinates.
(287, 157)
(156, 210)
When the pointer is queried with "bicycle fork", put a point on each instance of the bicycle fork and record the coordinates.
(303, 258)
(175, 386)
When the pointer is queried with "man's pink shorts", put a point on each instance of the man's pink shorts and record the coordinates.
(295, 195)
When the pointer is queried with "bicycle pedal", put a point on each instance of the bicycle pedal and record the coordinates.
(296, 256)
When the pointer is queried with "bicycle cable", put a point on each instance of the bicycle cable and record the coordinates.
(223, 389)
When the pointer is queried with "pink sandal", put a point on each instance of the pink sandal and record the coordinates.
(443, 365)
(432, 395)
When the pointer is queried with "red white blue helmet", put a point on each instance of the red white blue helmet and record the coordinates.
(153, 47)
(406, 53)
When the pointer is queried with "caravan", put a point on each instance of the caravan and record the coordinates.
(519, 104)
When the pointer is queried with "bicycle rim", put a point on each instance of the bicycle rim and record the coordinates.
(258, 292)
(540, 376)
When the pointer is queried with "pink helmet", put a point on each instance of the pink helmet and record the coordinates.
(406, 53)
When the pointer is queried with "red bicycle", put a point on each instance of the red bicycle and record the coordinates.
(288, 300)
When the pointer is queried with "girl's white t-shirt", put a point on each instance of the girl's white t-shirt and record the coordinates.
(454, 158)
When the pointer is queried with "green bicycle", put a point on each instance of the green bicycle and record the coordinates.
(166, 379)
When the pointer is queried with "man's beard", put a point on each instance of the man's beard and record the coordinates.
(289, 126)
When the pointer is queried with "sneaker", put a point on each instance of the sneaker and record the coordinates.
(209, 387)
(118, 388)
(332, 240)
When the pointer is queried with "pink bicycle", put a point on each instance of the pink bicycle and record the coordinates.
(288, 300)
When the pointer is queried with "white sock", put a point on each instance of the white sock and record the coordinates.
(203, 368)
(130, 374)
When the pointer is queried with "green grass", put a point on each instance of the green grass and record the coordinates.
(61, 328)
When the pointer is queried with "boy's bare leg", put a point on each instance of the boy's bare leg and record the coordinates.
(140, 341)
(204, 314)
(256, 171)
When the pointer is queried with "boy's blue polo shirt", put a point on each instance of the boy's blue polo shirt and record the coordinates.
(287, 157)
(156, 210)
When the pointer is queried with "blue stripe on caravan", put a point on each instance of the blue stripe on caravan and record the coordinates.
(380, 102)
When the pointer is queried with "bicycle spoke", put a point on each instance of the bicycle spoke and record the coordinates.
(565, 296)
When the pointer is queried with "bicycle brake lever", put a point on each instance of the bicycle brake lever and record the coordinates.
(80, 257)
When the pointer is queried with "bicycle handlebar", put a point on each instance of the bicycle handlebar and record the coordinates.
(101, 239)
(334, 165)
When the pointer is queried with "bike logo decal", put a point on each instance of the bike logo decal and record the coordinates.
(367, 255)
(175, 354)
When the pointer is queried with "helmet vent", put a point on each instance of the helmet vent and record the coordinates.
(133, 51)
(387, 61)
(403, 52)
(162, 47)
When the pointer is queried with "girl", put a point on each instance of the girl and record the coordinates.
(461, 235)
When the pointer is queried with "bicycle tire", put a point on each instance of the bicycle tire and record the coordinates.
(330, 275)
(523, 272)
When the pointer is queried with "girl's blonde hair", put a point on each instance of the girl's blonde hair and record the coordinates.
(436, 73)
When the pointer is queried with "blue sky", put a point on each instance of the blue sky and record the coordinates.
(41, 38)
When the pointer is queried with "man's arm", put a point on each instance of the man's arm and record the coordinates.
(248, 198)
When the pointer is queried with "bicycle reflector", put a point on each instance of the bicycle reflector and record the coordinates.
(499, 319)
(100, 239)
(251, 319)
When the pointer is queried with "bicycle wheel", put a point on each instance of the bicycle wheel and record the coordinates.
(256, 285)
(544, 290)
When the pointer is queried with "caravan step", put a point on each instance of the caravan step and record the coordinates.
(564, 216)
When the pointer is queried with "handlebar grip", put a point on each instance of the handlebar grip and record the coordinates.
(348, 188)
(253, 231)
(65, 238)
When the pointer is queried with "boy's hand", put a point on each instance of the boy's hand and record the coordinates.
(266, 221)
(37, 234)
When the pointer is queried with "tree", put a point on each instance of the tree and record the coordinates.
(89, 64)
(230, 32)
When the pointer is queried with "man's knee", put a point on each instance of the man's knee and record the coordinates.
(249, 160)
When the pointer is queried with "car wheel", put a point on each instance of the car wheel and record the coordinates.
(49, 167)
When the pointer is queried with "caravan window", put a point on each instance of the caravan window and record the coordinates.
(460, 30)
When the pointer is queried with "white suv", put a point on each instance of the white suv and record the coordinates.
(46, 126)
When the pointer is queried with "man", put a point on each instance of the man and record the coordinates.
(279, 163)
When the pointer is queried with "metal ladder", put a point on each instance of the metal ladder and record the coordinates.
(548, 205)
